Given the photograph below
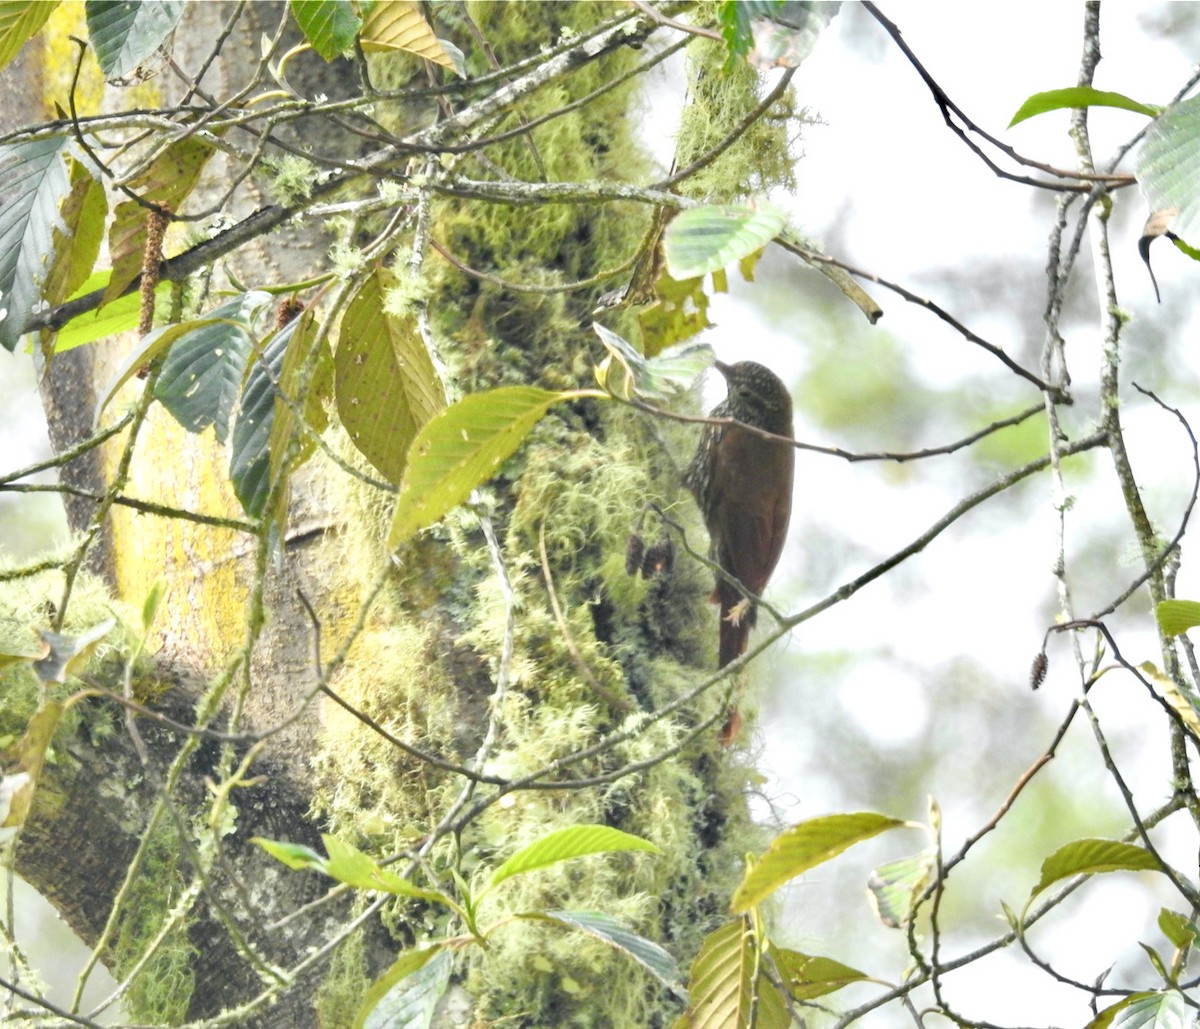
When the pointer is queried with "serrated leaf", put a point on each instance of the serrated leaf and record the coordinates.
(462, 447)
(166, 183)
(564, 844)
(1092, 857)
(1177, 928)
(1078, 96)
(706, 239)
(1166, 1010)
(604, 927)
(249, 444)
(722, 980)
(67, 655)
(384, 380)
(398, 25)
(1176, 616)
(78, 238)
(311, 406)
(295, 855)
(349, 865)
(405, 996)
(33, 185)
(1168, 163)
(205, 367)
(329, 25)
(805, 846)
(23, 763)
(894, 887)
(625, 373)
(808, 976)
(123, 34)
(1181, 703)
(19, 20)
(119, 316)
(784, 34)
(679, 312)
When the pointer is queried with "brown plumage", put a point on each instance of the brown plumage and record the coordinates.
(743, 484)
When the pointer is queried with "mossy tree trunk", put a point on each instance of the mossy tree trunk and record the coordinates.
(510, 640)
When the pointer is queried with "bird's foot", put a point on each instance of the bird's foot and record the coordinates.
(738, 611)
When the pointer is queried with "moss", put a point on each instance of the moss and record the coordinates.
(343, 986)
(162, 989)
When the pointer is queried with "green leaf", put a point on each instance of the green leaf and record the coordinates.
(462, 447)
(124, 34)
(311, 406)
(1164, 1010)
(734, 20)
(167, 182)
(1177, 928)
(894, 887)
(784, 34)
(564, 844)
(1177, 616)
(625, 373)
(205, 367)
(1183, 704)
(153, 601)
(398, 25)
(1091, 857)
(384, 380)
(405, 996)
(295, 855)
(329, 25)
(707, 239)
(679, 312)
(727, 988)
(249, 450)
(805, 846)
(119, 316)
(807, 976)
(1079, 96)
(349, 865)
(23, 763)
(19, 20)
(33, 185)
(77, 240)
(1168, 164)
(604, 927)
(67, 655)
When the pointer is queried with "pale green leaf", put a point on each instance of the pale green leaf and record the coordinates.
(295, 855)
(78, 238)
(626, 373)
(1177, 928)
(124, 34)
(1166, 1010)
(121, 315)
(564, 844)
(1078, 96)
(1176, 616)
(1091, 857)
(349, 865)
(405, 996)
(604, 927)
(894, 887)
(462, 447)
(1168, 165)
(384, 380)
(33, 185)
(808, 976)
(19, 20)
(707, 239)
(721, 986)
(22, 763)
(67, 655)
(805, 846)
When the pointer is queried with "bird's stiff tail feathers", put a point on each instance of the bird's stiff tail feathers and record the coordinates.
(735, 629)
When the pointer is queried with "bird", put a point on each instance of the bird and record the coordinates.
(742, 483)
